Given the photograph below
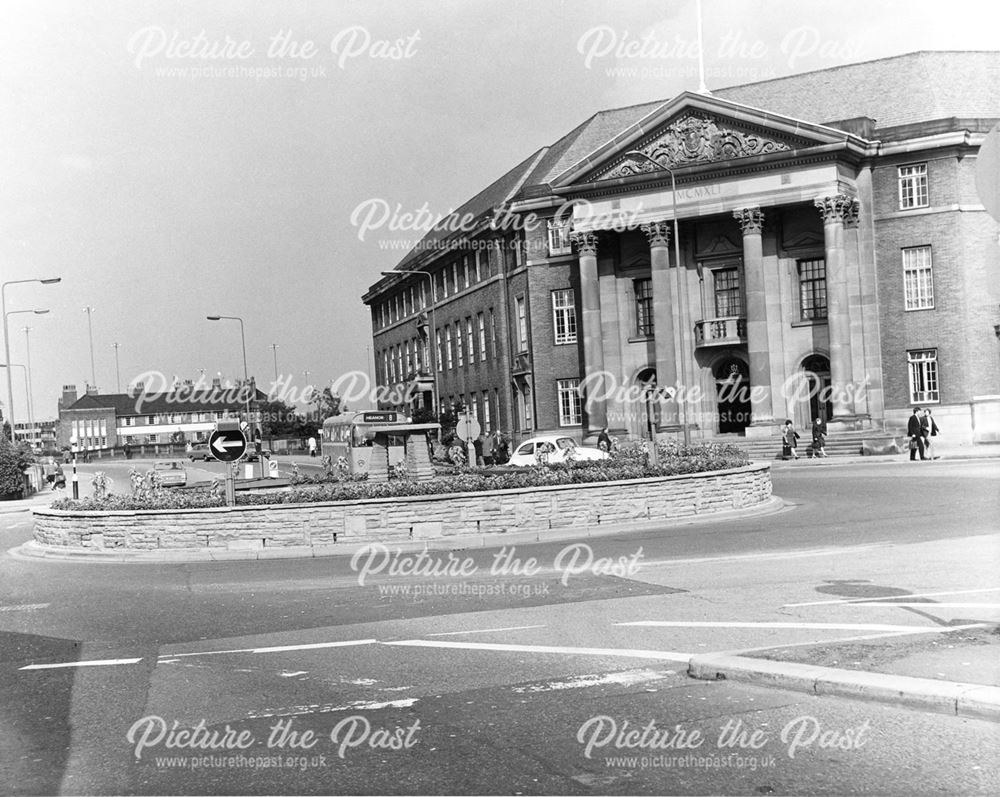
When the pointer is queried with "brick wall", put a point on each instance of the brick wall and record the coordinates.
(318, 526)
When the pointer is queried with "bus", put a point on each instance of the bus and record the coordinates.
(352, 435)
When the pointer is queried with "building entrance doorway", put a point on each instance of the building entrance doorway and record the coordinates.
(732, 387)
(817, 372)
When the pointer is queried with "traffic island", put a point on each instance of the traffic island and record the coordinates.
(326, 528)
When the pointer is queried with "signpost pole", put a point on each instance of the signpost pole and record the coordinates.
(231, 484)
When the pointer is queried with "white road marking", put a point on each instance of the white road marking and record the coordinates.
(624, 652)
(893, 597)
(24, 607)
(94, 663)
(838, 640)
(805, 626)
(292, 674)
(319, 708)
(487, 630)
(926, 605)
(277, 649)
(582, 681)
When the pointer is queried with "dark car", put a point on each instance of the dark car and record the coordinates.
(200, 451)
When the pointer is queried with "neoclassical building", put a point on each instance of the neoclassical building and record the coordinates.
(811, 246)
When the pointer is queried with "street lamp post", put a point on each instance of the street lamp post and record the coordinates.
(27, 378)
(681, 300)
(431, 335)
(6, 339)
(274, 350)
(27, 384)
(243, 341)
(90, 331)
(118, 373)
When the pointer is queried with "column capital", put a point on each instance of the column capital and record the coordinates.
(751, 220)
(838, 207)
(585, 243)
(658, 233)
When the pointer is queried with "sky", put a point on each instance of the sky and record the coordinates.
(174, 160)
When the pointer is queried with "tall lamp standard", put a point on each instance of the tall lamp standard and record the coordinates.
(27, 384)
(118, 373)
(26, 378)
(431, 339)
(243, 341)
(274, 350)
(681, 300)
(90, 331)
(6, 339)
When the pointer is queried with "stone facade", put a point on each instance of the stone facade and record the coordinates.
(320, 526)
(746, 248)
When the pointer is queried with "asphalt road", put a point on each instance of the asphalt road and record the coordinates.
(508, 670)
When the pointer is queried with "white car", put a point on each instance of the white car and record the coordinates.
(554, 448)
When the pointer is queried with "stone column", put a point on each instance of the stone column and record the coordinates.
(594, 400)
(751, 221)
(835, 210)
(664, 341)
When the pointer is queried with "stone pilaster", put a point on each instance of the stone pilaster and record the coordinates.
(664, 341)
(836, 210)
(595, 404)
(751, 221)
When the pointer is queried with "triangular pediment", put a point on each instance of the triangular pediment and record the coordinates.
(695, 130)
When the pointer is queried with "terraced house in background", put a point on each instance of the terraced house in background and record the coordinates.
(832, 259)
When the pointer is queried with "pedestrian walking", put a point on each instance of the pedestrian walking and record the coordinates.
(916, 434)
(789, 439)
(928, 429)
(311, 443)
(499, 450)
(604, 440)
(819, 438)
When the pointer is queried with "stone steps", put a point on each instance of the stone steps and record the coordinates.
(838, 444)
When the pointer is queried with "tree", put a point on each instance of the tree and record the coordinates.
(280, 420)
(13, 461)
(326, 404)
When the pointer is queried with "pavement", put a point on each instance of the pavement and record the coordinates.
(940, 451)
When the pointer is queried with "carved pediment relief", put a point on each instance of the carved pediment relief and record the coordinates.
(693, 137)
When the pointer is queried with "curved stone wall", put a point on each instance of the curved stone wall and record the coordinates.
(323, 527)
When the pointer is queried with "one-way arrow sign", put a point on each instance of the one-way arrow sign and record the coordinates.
(227, 445)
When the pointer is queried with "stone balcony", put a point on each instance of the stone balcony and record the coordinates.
(720, 331)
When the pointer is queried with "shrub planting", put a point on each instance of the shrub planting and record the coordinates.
(630, 462)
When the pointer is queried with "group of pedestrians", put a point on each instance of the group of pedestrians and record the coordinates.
(790, 438)
(920, 429)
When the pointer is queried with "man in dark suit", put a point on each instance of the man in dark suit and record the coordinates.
(915, 434)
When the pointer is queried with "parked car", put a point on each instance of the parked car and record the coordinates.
(557, 448)
(171, 473)
(200, 451)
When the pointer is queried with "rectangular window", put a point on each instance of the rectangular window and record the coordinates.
(522, 323)
(812, 289)
(449, 351)
(470, 339)
(409, 358)
(643, 307)
(496, 404)
(493, 334)
(465, 270)
(559, 243)
(479, 265)
(481, 319)
(385, 367)
(918, 278)
(444, 282)
(518, 254)
(913, 186)
(564, 316)
(440, 350)
(487, 418)
(454, 276)
(923, 376)
(569, 402)
(728, 297)
(423, 294)
(458, 344)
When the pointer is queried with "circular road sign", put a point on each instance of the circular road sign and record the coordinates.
(467, 428)
(227, 445)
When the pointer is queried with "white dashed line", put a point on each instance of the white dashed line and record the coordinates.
(803, 626)
(625, 653)
(94, 663)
